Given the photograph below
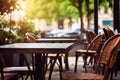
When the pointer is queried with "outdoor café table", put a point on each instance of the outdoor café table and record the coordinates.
(40, 50)
(54, 40)
(58, 40)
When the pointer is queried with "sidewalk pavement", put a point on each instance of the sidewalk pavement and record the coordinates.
(55, 75)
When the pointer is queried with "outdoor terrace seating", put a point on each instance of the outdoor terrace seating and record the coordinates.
(14, 72)
(91, 51)
(105, 62)
(30, 37)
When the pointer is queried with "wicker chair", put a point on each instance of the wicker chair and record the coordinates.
(108, 33)
(106, 59)
(30, 37)
(89, 37)
(15, 71)
(91, 51)
(93, 35)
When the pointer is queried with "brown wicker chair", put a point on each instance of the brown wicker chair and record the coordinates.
(108, 33)
(91, 51)
(30, 37)
(89, 37)
(93, 35)
(107, 59)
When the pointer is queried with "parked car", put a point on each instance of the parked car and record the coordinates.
(70, 33)
(75, 32)
(55, 33)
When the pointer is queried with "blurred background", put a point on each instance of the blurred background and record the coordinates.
(55, 18)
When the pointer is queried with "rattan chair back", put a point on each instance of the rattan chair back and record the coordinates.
(108, 53)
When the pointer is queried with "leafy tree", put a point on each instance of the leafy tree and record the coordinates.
(79, 5)
(7, 6)
(6, 35)
(25, 26)
(61, 9)
(90, 10)
(48, 9)
(79, 8)
(106, 4)
(86, 8)
(56, 9)
(51, 9)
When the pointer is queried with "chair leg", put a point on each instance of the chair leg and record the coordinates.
(60, 67)
(116, 69)
(27, 77)
(85, 62)
(66, 61)
(91, 60)
(111, 77)
(14, 78)
(76, 60)
(117, 64)
(113, 70)
(110, 74)
(30, 71)
(21, 77)
(95, 58)
(46, 65)
(51, 68)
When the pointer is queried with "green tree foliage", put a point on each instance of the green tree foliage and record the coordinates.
(37, 9)
(4, 23)
(90, 9)
(7, 32)
(61, 9)
(25, 26)
(6, 35)
(51, 9)
(7, 6)
(79, 5)
(106, 4)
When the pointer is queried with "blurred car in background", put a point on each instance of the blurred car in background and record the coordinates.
(70, 33)
(55, 33)
(75, 32)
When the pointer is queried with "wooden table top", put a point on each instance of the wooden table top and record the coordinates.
(36, 47)
(61, 40)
